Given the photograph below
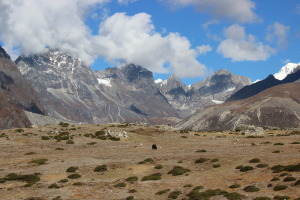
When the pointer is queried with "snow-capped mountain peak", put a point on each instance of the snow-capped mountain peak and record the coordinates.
(286, 70)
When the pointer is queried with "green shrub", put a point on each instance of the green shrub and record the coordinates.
(283, 174)
(132, 191)
(279, 143)
(246, 168)
(235, 186)
(280, 187)
(132, 179)
(91, 143)
(60, 149)
(78, 183)
(215, 160)
(147, 160)
(113, 138)
(53, 186)
(289, 178)
(275, 179)
(295, 143)
(201, 151)
(45, 138)
(154, 177)
(130, 198)
(174, 194)
(162, 192)
(41, 161)
(72, 169)
(57, 198)
(30, 179)
(2, 180)
(74, 176)
(63, 181)
(118, 185)
(70, 142)
(251, 188)
(158, 166)
(281, 197)
(19, 130)
(262, 165)
(206, 195)
(188, 185)
(177, 170)
(239, 167)
(277, 151)
(101, 168)
(29, 153)
(254, 160)
(262, 198)
(234, 196)
(216, 165)
(297, 182)
(201, 160)
(289, 168)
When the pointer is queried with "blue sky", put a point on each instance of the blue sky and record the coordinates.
(191, 38)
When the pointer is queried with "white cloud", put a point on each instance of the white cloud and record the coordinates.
(278, 32)
(238, 10)
(125, 2)
(35, 25)
(298, 9)
(132, 39)
(204, 49)
(238, 46)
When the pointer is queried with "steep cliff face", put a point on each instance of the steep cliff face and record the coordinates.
(69, 90)
(16, 95)
(275, 107)
(213, 90)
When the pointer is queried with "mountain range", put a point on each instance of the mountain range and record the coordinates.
(58, 85)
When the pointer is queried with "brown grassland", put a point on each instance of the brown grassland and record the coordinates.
(51, 155)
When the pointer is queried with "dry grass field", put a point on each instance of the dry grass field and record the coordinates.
(72, 162)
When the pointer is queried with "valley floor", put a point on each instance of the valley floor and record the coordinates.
(206, 159)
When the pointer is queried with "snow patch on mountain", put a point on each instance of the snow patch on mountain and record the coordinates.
(286, 70)
(158, 80)
(105, 82)
(217, 101)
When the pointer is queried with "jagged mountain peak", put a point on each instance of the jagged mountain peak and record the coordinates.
(135, 72)
(222, 71)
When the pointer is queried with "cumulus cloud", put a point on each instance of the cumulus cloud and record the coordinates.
(35, 25)
(238, 46)
(241, 11)
(278, 33)
(204, 49)
(132, 39)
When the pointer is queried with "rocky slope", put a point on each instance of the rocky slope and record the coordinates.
(213, 90)
(270, 81)
(278, 106)
(16, 95)
(69, 90)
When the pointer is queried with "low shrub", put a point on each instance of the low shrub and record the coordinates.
(63, 180)
(251, 188)
(297, 182)
(280, 187)
(53, 186)
(188, 185)
(289, 168)
(262, 165)
(235, 186)
(262, 198)
(177, 170)
(29, 153)
(234, 196)
(289, 178)
(153, 177)
(215, 160)
(45, 138)
(158, 166)
(70, 142)
(174, 194)
(30, 179)
(19, 130)
(201, 151)
(72, 169)
(132, 191)
(78, 183)
(295, 143)
(118, 185)
(201, 160)
(254, 160)
(246, 168)
(277, 151)
(130, 198)
(275, 179)
(132, 179)
(162, 192)
(74, 176)
(279, 143)
(282, 197)
(216, 165)
(41, 161)
(101, 168)
(147, 160)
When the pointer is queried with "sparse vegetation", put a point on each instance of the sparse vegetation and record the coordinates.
(41, 161)
(262, 198)
(132, 191)
(101, 168)
(289, 178)
(201, 160)
(152, 177)
(215, 160)
(262, 165)
(280, 187)
(289, 168)
(63, 181)
(158, 166)
(282, 197)
(78, 183)
(30, 179)
(275, 179)
(251, 188)
(276, 151)
(201, 151)
(235, 186)
(254, 160)
(29, 153)
(147, 160)
(177, 170)
(72, 169)
(216, 165)
(70, 142)
(174, 194)
(278, 143)
(74, 176)
(246, 168)
(162, 192)
(132, 179)
(130, 198)
(53, 186)
(119, 185)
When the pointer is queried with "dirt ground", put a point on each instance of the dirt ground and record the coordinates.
(175, 148)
